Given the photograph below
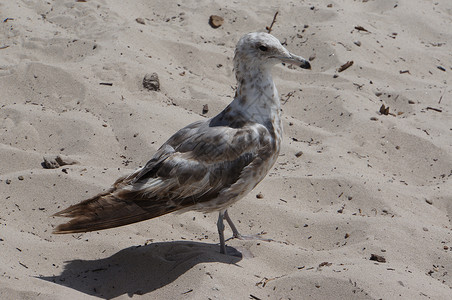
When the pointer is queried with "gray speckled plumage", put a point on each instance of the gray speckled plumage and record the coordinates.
(207, 165)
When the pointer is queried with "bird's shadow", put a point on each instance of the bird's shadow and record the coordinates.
(139, 269)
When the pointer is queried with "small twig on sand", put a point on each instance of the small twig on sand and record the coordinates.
(441, 98)
(269, 28)
(360, 28)
(289, 95)
(358, 86)
(345, 66)
(433, 108)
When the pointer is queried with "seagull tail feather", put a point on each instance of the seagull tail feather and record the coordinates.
(105, 211)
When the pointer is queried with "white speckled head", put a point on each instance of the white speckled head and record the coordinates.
(262, 50)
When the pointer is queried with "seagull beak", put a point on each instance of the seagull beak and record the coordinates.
(296, 60)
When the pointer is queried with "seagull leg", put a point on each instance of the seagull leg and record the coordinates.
(220, 226)
(235, 232)
(238, 235)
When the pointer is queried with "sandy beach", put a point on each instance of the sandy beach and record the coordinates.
(358, 204)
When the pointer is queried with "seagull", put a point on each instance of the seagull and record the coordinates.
(208, 165)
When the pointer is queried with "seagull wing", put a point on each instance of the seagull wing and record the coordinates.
(200, 167)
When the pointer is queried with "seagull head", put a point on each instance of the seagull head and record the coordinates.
(263, 50)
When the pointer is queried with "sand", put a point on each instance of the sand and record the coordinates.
(358, 203)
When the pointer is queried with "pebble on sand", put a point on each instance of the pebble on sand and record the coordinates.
(151, 82)
(216, 21)
(56, 161)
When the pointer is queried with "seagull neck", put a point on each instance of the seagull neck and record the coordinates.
(256, 96)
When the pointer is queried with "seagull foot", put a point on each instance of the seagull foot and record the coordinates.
(258, 236)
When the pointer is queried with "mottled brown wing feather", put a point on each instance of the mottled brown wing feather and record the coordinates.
(102, 212)
(194, 166)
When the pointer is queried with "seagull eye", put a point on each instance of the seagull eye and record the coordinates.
(263, 48)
